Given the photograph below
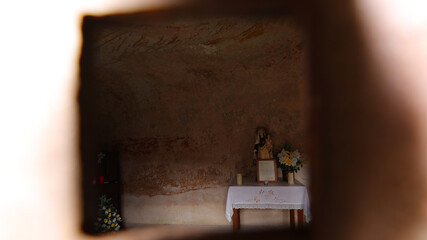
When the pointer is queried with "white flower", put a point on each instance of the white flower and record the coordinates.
(114, 220)
(103, 208)
(282, 160)
(282, 156)
(117, 228)
(114, 213)
(296, 155)
(294, 162)
(106, 211)
(282, 153)
(109, 222)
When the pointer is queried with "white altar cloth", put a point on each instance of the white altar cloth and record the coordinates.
(272, 196)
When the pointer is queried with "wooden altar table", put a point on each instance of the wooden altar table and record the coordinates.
(271, 196)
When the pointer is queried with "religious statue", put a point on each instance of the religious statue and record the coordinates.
(263, 148)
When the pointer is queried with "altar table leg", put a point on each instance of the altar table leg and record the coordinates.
(300, 218)
(236, 219)
(292, 216)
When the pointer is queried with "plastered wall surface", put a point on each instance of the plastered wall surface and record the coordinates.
(180, 100)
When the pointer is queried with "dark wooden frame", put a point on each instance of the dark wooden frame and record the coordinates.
(275, 170)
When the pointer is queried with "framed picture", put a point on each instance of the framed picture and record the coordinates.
(266, 170)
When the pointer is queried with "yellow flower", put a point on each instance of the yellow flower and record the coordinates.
(105, 220)
(112, 225)
(117, 224)
(118, 215)
(288, 162)
(109, 215)
(109, 210)
(108, 227)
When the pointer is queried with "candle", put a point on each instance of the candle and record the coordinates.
(239, 179)
(291, 178)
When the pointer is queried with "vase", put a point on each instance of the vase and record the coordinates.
(284, 174)
(290, 178)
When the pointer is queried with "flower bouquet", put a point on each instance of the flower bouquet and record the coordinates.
(289, 159)
(108, 219)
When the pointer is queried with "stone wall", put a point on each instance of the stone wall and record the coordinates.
(180, 100)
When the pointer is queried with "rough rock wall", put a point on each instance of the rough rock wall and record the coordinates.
(181, 99)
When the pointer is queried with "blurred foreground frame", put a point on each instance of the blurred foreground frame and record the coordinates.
(349, 107)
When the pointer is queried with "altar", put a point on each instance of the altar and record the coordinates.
(279, 195)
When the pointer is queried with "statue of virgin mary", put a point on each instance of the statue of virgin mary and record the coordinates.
(263, 148)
